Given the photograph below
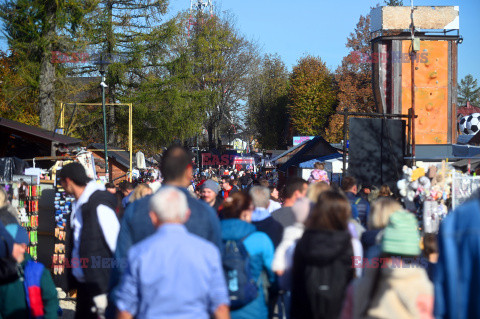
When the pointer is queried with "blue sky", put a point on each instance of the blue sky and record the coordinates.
(320, 28)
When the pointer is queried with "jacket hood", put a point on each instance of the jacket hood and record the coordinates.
(235, 229)
(320, 247)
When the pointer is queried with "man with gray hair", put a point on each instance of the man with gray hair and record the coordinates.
(173, 273)
(261, 216)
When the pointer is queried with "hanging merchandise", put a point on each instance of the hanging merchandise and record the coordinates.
(87, 160)
(63, 207)
(24, 198)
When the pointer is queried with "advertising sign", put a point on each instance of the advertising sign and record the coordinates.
(300, 139)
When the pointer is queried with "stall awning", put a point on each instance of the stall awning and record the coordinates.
(311, 150)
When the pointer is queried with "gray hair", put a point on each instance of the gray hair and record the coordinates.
(260, 196)
(169, 204)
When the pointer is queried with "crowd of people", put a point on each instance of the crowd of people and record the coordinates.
(229, 243)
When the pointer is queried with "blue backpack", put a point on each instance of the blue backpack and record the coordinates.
(242, 289)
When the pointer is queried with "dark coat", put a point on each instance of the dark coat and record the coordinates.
(322, 269)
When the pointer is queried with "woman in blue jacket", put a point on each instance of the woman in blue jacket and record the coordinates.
(237, 211)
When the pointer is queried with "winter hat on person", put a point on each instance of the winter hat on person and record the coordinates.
(18, 233)
(301, 209)
(211, 184)
(401, 235)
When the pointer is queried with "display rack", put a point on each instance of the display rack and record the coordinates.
(23, 194)
(63, 207)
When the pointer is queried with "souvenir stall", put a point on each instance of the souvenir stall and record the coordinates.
(23, 194)
(427, 192)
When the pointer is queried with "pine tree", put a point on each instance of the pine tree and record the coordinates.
(468, 91)
(34, 29)
(394, 2)
(133, 36)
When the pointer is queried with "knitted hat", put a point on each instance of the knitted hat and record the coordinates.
(210, 184)
(401, 235)
(18, 233)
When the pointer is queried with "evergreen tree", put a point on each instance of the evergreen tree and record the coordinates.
(132, 35)
(468, 91)
(393, 2)
(36, 28)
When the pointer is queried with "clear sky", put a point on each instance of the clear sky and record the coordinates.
(320, 28)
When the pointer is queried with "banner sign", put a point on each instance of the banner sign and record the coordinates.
(209, 159)
(300, 139)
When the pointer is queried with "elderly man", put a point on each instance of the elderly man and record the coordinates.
(172, 273)
(261, 216)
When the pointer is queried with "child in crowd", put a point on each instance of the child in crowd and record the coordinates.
(319, 174)
(33, 295)
(430, 250)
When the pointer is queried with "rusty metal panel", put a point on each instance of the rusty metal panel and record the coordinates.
(431, 91)
(397, 80)
(453, 83)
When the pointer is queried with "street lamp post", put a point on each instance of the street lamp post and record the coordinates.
(102, 63)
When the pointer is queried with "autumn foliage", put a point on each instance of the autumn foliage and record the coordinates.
(354, 80)
(312, 96)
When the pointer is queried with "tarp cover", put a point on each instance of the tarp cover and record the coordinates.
(10, 166)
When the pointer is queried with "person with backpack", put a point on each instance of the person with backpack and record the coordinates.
(246, 254)
(94, 225)
(33, 295)
(322, 262)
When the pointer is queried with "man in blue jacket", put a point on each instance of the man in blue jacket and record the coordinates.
(176, 167)
(456, 275)
(360, 206)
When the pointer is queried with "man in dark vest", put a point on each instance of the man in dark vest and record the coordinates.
(95, 230)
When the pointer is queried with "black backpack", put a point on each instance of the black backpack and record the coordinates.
(242, 289)
(325, 287)
(9, 270)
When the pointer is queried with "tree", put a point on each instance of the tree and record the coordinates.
(133, 36)
(354, 80)
(312, 96)
(222, 62)
(393, 2)
(18, 101)
(35, 28)
(468, 91)
(267, 103)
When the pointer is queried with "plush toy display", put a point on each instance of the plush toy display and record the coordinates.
(426, 194)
